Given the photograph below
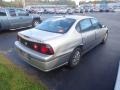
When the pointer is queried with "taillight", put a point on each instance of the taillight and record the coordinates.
(43, 48)
(35, 47)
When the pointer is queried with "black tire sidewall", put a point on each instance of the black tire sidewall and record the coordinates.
(104, 41)
(70, 63)
(33, 23)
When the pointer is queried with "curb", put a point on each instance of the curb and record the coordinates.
(117, 84)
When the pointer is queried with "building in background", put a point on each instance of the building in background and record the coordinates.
(48, 2)
(99, 5)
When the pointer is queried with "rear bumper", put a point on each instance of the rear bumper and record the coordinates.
(42, 62)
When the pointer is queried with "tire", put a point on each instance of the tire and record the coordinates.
(75, 58)
(105, 38)
(35, 22)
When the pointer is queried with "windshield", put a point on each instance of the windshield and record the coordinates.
(56, 25)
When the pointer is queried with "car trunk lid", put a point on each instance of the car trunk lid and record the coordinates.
(39, 35)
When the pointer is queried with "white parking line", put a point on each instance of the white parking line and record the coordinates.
(117, 85)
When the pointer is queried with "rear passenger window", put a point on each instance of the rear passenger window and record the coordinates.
(12, 12)
(85, 25)
(95, 23)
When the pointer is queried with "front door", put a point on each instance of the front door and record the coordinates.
(98, 29)
(25, 18)
(13, 19)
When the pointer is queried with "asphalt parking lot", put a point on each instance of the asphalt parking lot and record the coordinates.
(97, 70)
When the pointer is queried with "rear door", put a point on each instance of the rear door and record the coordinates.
(13, 19)
(87, 33)
(25, 18)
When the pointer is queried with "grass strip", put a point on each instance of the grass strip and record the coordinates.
(13, 78)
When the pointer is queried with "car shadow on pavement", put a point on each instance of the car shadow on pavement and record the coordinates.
(8, 31)
(12, 31)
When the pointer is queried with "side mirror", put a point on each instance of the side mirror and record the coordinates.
(103, 26)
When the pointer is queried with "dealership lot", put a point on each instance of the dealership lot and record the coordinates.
(97, 71)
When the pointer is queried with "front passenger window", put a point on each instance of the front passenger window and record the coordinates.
(12, 12)
(95, 23)
(85, 25)
(22, 12)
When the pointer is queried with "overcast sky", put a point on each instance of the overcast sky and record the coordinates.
(77, 1)
(73, 0)
(8, 0)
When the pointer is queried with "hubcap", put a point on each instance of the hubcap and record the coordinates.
(105, 38)
(36, 23)
(76, 58)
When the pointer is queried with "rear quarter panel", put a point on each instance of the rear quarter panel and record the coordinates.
(66, 43)
(4, 23)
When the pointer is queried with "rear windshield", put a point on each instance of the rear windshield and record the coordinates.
(2, 12)
(56, 25)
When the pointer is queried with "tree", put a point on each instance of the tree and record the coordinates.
(0, 2)
(18, 3)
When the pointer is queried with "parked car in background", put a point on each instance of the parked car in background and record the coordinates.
(82, 10)
(117, 8)
(15, 18)
(60, 40)
(50, 10)
(70, 11)
(31, 11)
(61, 10)
(96, 9)
(104, 9)
(40, 11)
(77, 10)
(111, 9)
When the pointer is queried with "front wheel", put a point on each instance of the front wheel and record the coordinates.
(75, 58)
(105, 38)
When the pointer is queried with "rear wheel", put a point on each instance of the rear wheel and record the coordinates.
(75, 58)
(35, 23)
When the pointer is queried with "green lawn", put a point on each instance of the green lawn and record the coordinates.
(13, 78)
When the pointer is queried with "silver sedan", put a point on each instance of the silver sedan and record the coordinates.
(60, 40)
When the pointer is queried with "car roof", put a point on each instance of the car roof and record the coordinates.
(76, 17)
